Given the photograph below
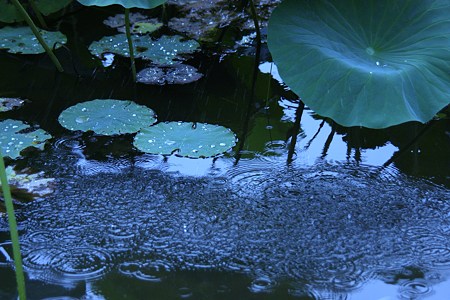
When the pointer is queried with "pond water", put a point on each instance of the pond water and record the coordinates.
(352, 214)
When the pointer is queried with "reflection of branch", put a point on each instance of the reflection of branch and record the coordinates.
(315, 135)
(251, 99)
(326, 147)
(414, 141)
(295, 130)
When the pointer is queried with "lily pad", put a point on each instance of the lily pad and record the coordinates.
(7, 104)
(146, 4)
(140, 24)
(185, 139)
(36, 184)
(17, 136)
(107, 117)
(22, 40)
(176, 74)
(161, 52)
(365, 63)
(9, 13)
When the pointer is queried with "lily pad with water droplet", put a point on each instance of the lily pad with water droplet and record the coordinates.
(185, 139)
(161, 52)
(7, 104)
(107, 117)
(372, 63)
(176, 74)
(17, 136)
(21, 40)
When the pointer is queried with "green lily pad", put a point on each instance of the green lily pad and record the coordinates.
(107, 117)
(140, 24)
(17, 136)
(146, 4)
(185, 139)
(7, 104)
(176, 74)
(22, 40)
(161, 52)
(365, 63)
(35, 184)
(9, 13)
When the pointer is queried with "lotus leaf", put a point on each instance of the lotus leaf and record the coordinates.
(185, 139)
(146, 4)
(107, 117)
(16, 136)
(9, 13)
(161, 52)
(35, 184)
(370, 63)
(7, 104)
(177, 74)
(22, 40)
(140, 24)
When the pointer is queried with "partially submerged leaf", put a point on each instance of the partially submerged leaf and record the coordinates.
(7, 104)
(146, 4)
(185, 139)
(36, 184)
(140, 24)
(17, 136)
(365, 63)
(21, 40)
(161, 52)
(107, 117)
(176, 74)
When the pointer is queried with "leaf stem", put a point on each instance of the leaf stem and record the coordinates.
(13, 231)
(130, 42)
(38, 35)
(38, 14)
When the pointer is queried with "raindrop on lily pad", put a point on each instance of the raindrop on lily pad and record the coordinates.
(107, 117)
(193, 140)
(161, 52)
(7, 104)
(21, 40)
(176, 74)
(17, 136)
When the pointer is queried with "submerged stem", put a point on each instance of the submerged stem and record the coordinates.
(130, 42)
(35, 30)
(13, 231)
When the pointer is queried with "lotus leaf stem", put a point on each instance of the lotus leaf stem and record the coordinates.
(38, 35)
(130, 42)
(38, 14)
(13, 231)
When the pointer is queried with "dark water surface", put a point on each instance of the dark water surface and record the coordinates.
(330, 223)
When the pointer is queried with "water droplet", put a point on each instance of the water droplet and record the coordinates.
(370, 51)
(222, 144)
(81, 119)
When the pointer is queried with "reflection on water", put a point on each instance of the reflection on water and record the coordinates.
(324, 231)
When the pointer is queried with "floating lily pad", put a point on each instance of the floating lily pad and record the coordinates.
(107, 117)
(161, 52)
(176, 74)
(17, 136)
(185, 139)
(9, 13)
(365, 63)
(22, 40)
(36, 184)
(7, 104)
(140, 24)
(146, 4)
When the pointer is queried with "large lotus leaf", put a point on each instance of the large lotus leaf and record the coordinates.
(17, 136)
(368, 63)
(146, 4)
(107, 117)
(185, 139)
(9, 13)
(162, 51)
(22, 40)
